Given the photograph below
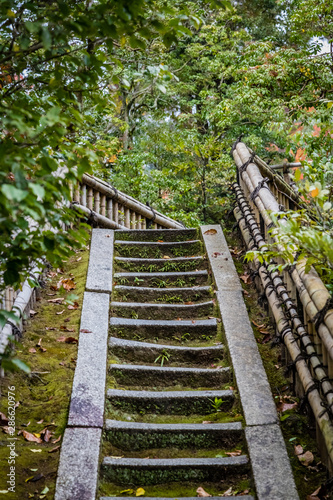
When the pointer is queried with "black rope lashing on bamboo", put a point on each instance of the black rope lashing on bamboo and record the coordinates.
(15, 329)
(115, 193)
(151, 221)
(320, 316)
(244, 166)
(261, 184)
(233, 147)
(278, 285)
(327, 409)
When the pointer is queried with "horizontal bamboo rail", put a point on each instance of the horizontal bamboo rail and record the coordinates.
(104, 203)
(264, 195)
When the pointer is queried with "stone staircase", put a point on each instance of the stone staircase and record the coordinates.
(170, 398)
(173, 419)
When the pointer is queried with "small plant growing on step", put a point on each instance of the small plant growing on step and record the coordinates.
(163, 357)
(217, 404)
(137, 280)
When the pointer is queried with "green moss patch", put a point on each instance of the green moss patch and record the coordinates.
(43, 396)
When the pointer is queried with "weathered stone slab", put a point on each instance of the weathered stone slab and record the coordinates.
(270, 463)
(251, 378)
(225, 273)
(78, 466)
(88, 393)
(99, 277)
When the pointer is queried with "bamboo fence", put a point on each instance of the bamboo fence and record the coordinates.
(298, 302)
(103, 206)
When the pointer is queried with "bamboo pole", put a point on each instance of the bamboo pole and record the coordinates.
(102, 221)
(97, 202)
(103, 205)
(109, 211)
(127, 218)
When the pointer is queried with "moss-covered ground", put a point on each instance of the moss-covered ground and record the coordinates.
(43, 396)
(297, 428)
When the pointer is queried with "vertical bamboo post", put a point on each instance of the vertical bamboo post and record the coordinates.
(90, 198)
(115, 211)
(97, 202)
(133, 220)
(127, 218)
(110, 209)
(103, 204)
(84, 195)
(77, 193)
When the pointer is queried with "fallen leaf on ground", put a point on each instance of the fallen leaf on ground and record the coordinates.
(54, 449)
(160, 241)
(3, 419)
(32, 313)
(202, 493)
(215, 254)
(166, 257)
(61, 312)
(30, 437)
(5, 429)
(32, 349)
(258, 326)
(67, 340)
(282, 406)
(130, 491)
(207, 422)
(66, 329)
(188, 303)
(68, 284)
(56, 440)
(50, 328)
(83, 330)
(210, 231)
(140, 492)
(246, 278)
(35, 451)
(40, 421)
(33, 479)
(74, 306)
(235, 453)
(56, 301)
(228, 493)
(46, 434)
(78, 260)
(306, 458)
(298, 450)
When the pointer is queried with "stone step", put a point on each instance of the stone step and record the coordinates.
(132, 350)
(156, 471)
(141, 436)
(157, 234)
(154, 249)
(162, 295)
(156, 376)
(176, 331)
(165, 265)
(148, 310)
(172, 402)
(162, 280)
(243, 497)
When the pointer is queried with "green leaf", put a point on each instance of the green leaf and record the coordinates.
(38, 190)
(15, 364)
(13, 193)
